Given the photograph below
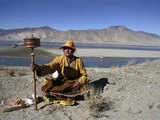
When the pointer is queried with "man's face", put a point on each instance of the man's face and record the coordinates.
(68, 52)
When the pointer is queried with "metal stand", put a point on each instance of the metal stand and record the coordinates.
(34, 79)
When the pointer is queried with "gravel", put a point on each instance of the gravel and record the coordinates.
(130, 92)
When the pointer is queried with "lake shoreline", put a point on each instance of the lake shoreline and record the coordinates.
(20, 56)
(98, 52)
(45, 53)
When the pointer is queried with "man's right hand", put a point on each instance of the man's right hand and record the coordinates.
(34, 67)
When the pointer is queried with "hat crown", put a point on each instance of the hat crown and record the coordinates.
(69, 44)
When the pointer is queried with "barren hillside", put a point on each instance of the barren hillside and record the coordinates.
(112, 35)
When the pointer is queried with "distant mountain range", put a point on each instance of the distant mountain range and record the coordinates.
(119, 35)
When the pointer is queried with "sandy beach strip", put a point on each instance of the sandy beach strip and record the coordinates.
(96, 52)
(81, 52)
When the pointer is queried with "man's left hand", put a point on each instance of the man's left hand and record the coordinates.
(75, 84)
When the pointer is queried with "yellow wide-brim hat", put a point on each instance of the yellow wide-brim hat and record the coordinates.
(69, 44)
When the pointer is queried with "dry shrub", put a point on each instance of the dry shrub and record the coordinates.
(98, 104)
(23, 73)
(11, 71)
(2, 68)
(131, 63)
(50, 108)
(113, 67)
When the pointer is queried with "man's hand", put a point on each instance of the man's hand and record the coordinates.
(34, 67)
(75, 84)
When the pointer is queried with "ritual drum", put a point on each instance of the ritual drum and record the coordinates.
(32, 42)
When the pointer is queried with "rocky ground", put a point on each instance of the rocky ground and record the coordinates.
(132, 93)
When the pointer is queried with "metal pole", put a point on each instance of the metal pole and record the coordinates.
(34, 79)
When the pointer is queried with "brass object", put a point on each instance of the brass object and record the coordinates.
(32, 43)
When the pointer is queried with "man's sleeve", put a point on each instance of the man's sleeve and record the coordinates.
(83, 78)
(48, 68)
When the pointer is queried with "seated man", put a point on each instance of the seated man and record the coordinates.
(71, 80)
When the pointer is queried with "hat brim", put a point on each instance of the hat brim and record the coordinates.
(62, 47)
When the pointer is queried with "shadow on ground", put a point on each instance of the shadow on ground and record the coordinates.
(98, 85)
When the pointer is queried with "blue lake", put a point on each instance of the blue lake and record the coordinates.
(89, 62)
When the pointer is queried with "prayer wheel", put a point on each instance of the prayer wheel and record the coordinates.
(32, 43)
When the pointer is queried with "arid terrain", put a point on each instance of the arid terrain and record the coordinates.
(115, 35)
(132, 93)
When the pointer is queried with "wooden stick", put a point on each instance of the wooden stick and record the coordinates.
(12, 108)
(34, 79)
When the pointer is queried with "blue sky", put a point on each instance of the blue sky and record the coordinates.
(137, 15)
